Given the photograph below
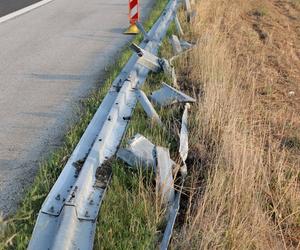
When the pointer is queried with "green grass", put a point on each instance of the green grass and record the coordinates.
(131, 216)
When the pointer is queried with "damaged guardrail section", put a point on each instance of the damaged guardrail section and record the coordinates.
(67, 219)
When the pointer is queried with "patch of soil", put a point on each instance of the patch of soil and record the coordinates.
(103, 174)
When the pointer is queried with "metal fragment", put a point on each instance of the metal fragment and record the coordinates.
(184, 147)
(174, 78)
(166, 66)
(140, 152)
(168, 95)
(173, 212)
(164, 175)
(147, 59)
(174, 209)
(178, 26)
(147, 106)
(184, 139)
(174, 40)
(151, 61)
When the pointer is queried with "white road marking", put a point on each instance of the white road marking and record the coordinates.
(24, 10)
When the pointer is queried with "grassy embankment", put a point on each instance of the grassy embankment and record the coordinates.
(244, 192)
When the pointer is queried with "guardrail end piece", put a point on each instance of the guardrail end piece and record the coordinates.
(140, 152)
(168, 95)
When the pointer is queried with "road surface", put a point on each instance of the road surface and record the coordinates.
(50, 58)
(9, 6)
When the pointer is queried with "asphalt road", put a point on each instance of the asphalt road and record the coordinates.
(50, 58)
(8, 6)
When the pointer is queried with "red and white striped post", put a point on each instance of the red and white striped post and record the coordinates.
(134, 15)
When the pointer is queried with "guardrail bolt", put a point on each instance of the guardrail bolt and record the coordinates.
(87, 214)
(57, 197)
(127, 118)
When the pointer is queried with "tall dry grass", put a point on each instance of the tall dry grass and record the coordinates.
(244, 191)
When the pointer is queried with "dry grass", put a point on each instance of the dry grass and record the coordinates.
(244, 190)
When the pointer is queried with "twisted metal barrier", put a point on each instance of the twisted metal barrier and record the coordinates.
(68, 216)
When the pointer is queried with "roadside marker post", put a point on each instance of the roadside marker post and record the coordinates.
(134, 16)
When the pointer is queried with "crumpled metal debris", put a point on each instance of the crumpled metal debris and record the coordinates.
(168, 95)
(184, 143)
(174, 208)
(143, 152)
(140, 152)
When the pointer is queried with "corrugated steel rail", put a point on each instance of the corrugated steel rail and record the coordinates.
(67, 219)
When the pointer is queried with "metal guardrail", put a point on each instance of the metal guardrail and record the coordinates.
(67, 219)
